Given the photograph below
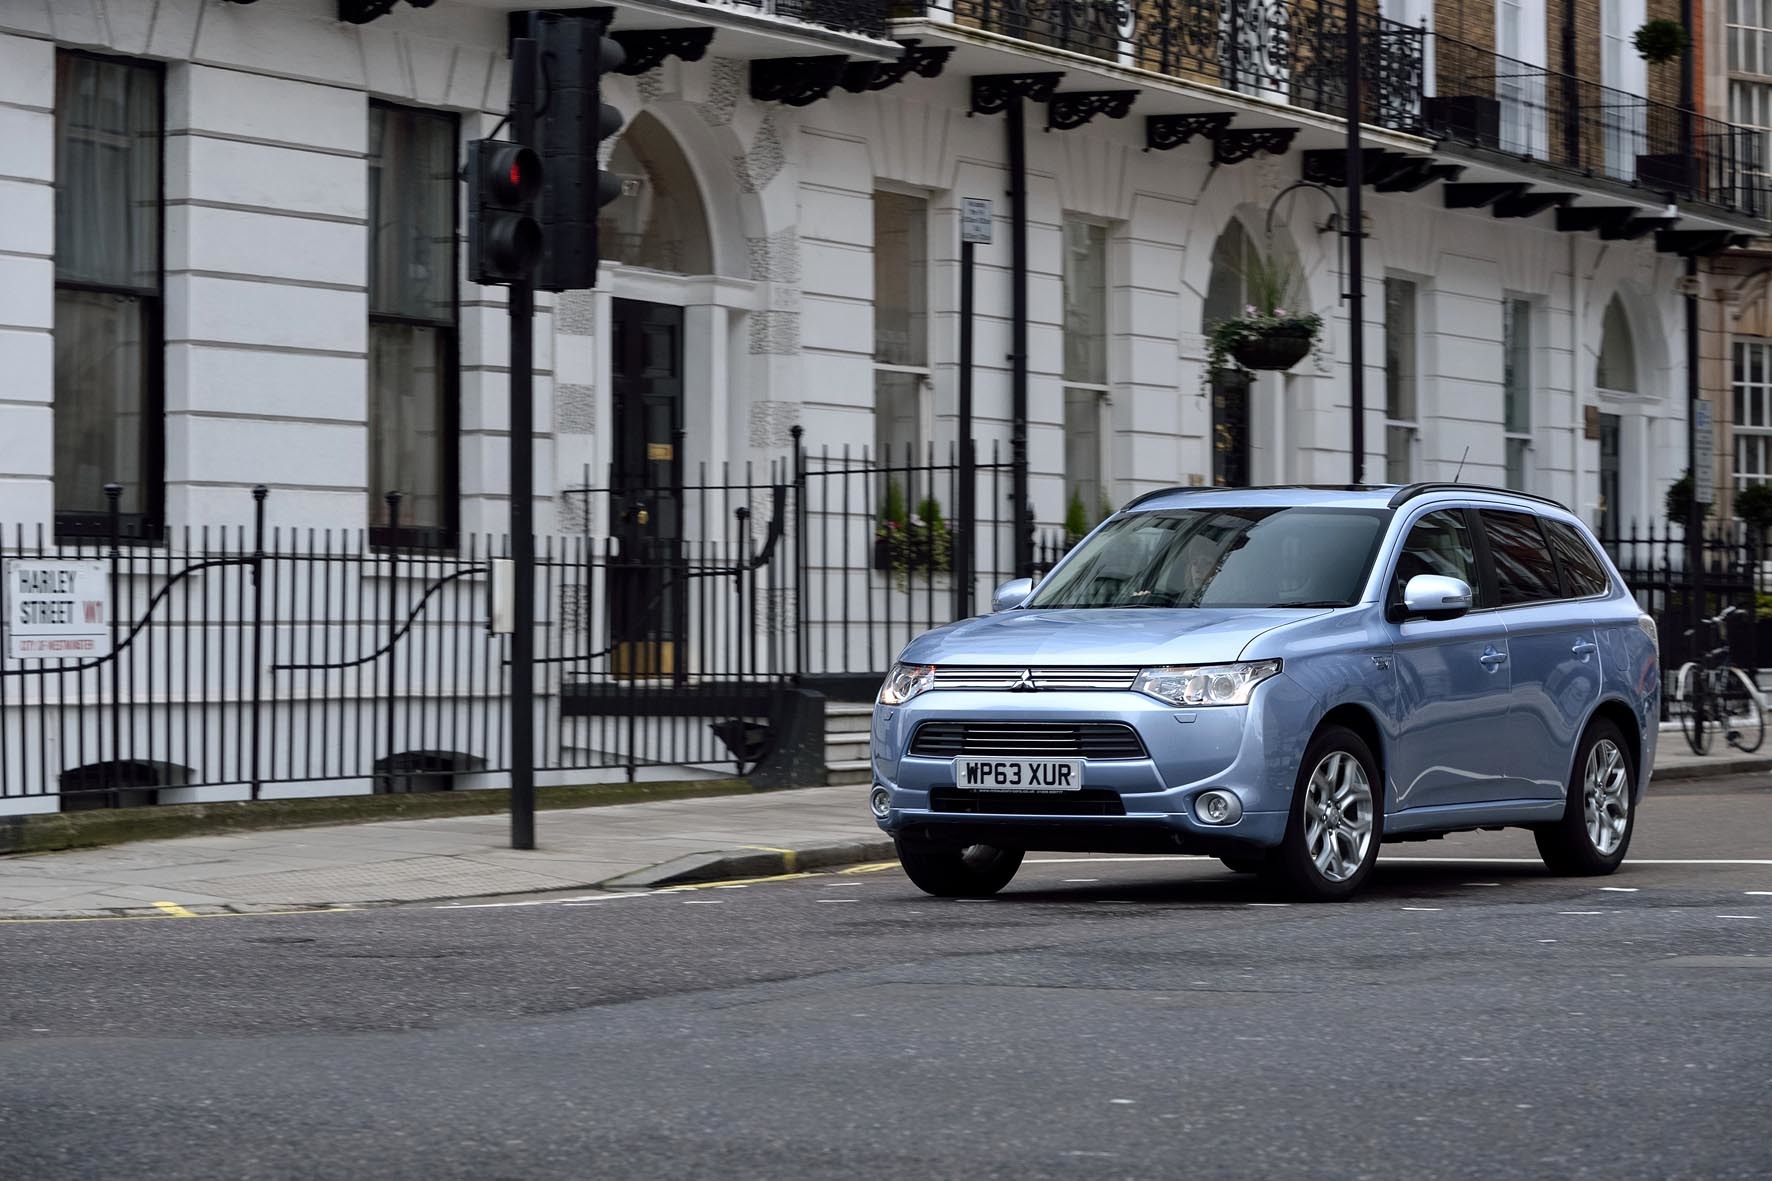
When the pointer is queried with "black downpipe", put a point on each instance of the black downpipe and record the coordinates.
(1018, 338)
(1356, 234)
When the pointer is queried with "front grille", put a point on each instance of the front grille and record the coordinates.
(1028, 740)
(1048, 679)
(1091, 801)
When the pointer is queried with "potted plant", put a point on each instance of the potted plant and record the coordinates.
(905, 542)
(1267, 336)
(1660, 41)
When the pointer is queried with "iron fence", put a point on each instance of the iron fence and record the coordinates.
(1654, 564)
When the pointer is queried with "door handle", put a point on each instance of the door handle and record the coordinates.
(1584, 648)
(1492, 658)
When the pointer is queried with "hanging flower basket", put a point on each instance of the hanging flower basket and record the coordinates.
(1276, 348)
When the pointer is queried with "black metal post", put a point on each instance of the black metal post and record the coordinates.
(1018, 339)
(1694, 522)
(389, 704)
(1356, 234)
(259, 492)
(114, 765)
(523, 87)
(965, 508)
(1688, 101)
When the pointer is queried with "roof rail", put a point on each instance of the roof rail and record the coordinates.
(1410, 491)
(1144, 496)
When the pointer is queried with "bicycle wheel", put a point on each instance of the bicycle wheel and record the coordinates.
(1743, 721)
(1694, 688)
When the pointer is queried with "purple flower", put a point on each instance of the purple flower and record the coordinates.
(1249, 310)
(1280, 312)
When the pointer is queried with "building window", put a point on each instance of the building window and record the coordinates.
(412, 322)
(108, 343)
(1753, 412)
(1516, 379)
(1750, 36)
(1402, 422)
(1085, 369)
(659, 223)
(1617, 367)
(901, 337)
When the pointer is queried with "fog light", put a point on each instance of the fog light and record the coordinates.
(1218, 807)
(881, 802)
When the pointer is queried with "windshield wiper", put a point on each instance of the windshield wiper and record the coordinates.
(1307, 603)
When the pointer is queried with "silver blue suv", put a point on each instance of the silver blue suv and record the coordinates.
(1284, 678)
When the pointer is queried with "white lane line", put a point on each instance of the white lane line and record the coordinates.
(1758, 893)
(822, 901)
(581, 900)
(1079, 881)
(1738, 916)
(1482, 883)
(1618, 889)
(1547, 940)
(704, 902)
(1272, 904)
(1425, 909)
(1156, 857)
(1566, 912)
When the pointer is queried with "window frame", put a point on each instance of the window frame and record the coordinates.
(1492, 570)
(1513, 309)
(444, 536)
(1103, 389)
(1757, 436)
(1568, 587)
(1482, 591)
(924, 373)
(1412, 425)
(147, 527)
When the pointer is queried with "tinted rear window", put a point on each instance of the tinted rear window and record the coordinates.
(1582, 568)
(1525, 572)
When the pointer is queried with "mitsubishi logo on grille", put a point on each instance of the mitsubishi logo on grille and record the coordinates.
(1024, 683)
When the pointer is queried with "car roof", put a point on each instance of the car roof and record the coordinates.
(1371, 496)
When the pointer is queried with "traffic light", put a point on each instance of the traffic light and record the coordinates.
(504, 237)
(571, 126)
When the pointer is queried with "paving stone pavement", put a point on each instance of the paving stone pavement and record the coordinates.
(467, 856)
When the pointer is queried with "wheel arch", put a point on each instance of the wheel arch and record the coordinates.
(1364, 722)
(1619, 713)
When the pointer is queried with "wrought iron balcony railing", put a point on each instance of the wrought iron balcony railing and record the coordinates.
(1512, 108)
(1294, 51)
(867, 17)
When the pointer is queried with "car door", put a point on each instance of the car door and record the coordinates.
(1452, 676)
(1551, 649)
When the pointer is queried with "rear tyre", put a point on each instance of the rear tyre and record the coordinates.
(1245, 864)
(1742, 721)
(1336, 821)
(1599, 814)
(957, 871)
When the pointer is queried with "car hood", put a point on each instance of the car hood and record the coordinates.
(1123, 636)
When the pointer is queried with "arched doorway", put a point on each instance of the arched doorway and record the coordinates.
(1234, 258)
(1625, 424)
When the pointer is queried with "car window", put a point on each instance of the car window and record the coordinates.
(1525, 572)
(1231, 556)
(1582, 568)
(1439, 543)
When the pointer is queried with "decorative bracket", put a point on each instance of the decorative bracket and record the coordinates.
(1162, 132)
(361, 12)
(647, 49)
(1637, 227)
(1698, 242)
(796, 81)
(1418, 174)
(1530, 204)
(925, 61)
(994, 92)
(1235, 146)
(1578, 219)
(1066, 111)
(1480, 196)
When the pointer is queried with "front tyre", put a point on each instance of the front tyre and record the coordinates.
(1336, 822)
(957, 871)
(1598, 815)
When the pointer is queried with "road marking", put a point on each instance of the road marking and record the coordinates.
(1581, 912)
(1482, 883)
(1738, 916)
(780, 877)
(1267, 904)
(824, 900)
(576, 900)
(1758, 893)
(220, 914)
(1387, 858)
(871, 867)
(790, 860)
(1547, 940)
(175, 910)
(1079, 881)
(704, 902)
(1426, 909)
(1618, 889)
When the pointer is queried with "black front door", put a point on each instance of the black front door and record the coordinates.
(1609, 466)
(1230, 429)
(647, 607)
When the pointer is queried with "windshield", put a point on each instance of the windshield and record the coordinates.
(1220, 557)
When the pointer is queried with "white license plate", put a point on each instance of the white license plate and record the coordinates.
(1053, 775)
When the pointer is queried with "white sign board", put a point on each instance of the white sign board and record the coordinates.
(57, 610)
(975, 220)
(1704, 480)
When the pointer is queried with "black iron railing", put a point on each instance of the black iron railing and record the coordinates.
(1653, 561)
(845, 16)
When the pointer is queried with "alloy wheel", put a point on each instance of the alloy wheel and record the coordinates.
(1606, 791)
(1338, 816)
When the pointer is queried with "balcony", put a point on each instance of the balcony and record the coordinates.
(1480, 106)
(866, 17)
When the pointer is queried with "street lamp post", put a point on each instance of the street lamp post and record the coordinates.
(1354, 228)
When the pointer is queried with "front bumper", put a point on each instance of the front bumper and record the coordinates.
(1252, 750)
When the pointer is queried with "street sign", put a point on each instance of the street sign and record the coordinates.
(1704, 479)
(975, 220)
(57, 610)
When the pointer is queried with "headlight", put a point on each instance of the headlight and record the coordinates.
(1205, 684)
(905, 681)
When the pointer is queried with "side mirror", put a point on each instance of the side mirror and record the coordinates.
(1435, 596)
(1011, 594)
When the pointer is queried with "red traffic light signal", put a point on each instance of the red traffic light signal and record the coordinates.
(504, 238)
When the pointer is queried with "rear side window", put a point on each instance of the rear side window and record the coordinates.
(1439, 543)
(1582, 568)
(1525, 572)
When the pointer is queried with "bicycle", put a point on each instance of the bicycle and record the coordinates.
(1715, 694)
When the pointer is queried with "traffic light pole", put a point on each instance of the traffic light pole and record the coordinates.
(522, 303)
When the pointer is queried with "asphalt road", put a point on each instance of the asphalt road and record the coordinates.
(1468, 1016)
